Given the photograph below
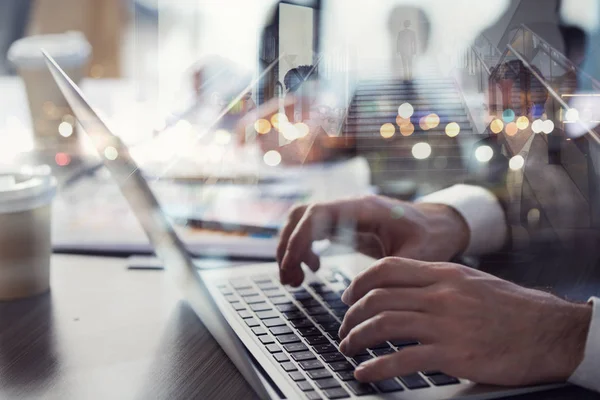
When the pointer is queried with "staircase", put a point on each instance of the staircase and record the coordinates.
(376, 102)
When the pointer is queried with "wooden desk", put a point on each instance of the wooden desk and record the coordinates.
(108, 333)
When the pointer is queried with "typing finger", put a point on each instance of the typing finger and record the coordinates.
(404, 362)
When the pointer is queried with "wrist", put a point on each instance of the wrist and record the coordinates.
(448, 226)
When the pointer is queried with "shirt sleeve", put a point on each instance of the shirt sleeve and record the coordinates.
(587, 373)
(482, 212)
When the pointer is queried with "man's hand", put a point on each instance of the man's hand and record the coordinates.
(471, 325)
(382, 227)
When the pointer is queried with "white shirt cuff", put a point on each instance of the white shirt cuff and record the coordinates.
(482, 213)
(587, 373)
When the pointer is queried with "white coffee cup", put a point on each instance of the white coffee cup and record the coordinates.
(25, 236)
(47, 105)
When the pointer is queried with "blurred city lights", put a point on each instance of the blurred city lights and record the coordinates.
(62, 159)
(537, 126)
(533, 217)
(111, 153)
(406, 110)
(497, 126)
(262, 126)
(222, 137)
(572, 115)
(522, 122)
(65, 129)
(421, 150)
(272, 158)
(452, 129)
(278, 119)
(432, 121)
(547, 126)
(508, 116)
(484, 153)
(511, 129)
(387, 130)
(516, 163)
(302, 129)
(288, 131)
(402, 121)
(407, 129)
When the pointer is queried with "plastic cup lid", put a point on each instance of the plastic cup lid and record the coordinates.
(70, 49)
(26, 189)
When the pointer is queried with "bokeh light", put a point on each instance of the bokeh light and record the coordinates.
(277, 120)
(62, 159)
(65, 129)
(547, 126)
(572, 115)
(497, 126)
(222, 137)
(432, 121)
(484, 153)
(402, 121)
(511, 129)
(537, 126)
(516, 163)
(406, 110)
(522, 122)
(407, 129)
(272, 158)
(111, 153)
(302, 129)
(288, 131)
(262, 126)
(421, 150)
(387, 130)
(452, 129)
(508, 116)
(533, 217)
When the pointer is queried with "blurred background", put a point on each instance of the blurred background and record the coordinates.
(281, 102)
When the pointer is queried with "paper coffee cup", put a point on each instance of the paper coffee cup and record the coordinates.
(25, 237)
(47, 105)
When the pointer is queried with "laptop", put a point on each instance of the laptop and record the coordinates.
(283, 340)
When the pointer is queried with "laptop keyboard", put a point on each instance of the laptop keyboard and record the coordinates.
(299, 327)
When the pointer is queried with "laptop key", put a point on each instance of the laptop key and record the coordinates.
(296, 376)
(316, 310)
(287, 307)
(402, 343)
(284, 339)
(237, 306)
(275, 294)
(266, 339)
(318, 374)
(324, 348)
(273, 322)
(301, 323)
(308, 303)
(361, 359)
(267, 314)
(281, 357)
(302, 295)
(359, 388)
(248, 292)
(280, 300)
(310, 364)
(288, 366)
(414, 381)
(331, 296)
(333, 357)
(289, 315)
(231, 298)
(380, 346)
(303, 356)
(310, 331)
(388, 385)
(330, 326)
(336, 304)
(245, 314)
(273, 348)
(341, 366)
(238, 284)
(346, 375)
(429, 373)
(261, 278)
(253, 299)
(312, 395)
(305, 386)
(339, 312)
(280, 330)
(335, 393)
(259, 331)
(266, 286)
(314, 340)
(292, 347)
(262, 306)
(324, 319)
(252, 322)
(383, 352)
(443, 379)
(327, 383)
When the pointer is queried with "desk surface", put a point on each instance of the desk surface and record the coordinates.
(108, 333)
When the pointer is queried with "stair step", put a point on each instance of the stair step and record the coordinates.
(437, 108)
(405, 86)
(441, 97)
(391, 118)
(362, 92)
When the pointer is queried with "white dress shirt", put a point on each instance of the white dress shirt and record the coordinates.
(488, 232)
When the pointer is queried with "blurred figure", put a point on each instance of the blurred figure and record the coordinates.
(406, 47)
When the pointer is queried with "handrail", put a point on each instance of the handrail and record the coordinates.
(492, 45)
(550, 90)
(563, 58)
(481, 61)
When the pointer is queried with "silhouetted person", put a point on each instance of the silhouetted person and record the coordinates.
(406, 46)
